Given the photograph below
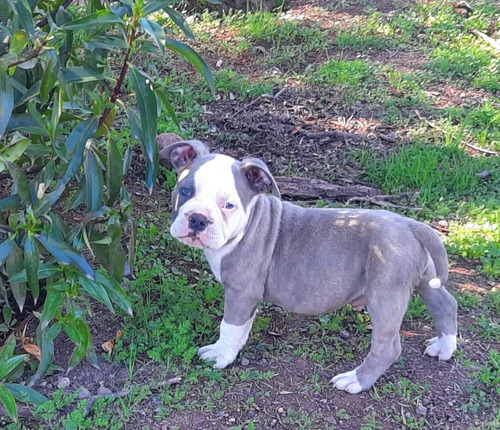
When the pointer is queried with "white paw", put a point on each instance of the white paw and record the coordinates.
(347, 381)
(222, 354)
(442, 347)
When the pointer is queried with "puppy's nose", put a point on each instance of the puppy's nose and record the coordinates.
(198, 222)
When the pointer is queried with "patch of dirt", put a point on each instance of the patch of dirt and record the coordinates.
(271, 128)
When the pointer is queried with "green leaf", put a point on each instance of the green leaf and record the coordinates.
(93, 181)
(7, 97)
(21, 181)
(194, 58)
(155, 31)
(114, 172)
(146, 101)
(19, 40)
(44, 271)
(79, 74)
(65, 254)
(79, 333)
(52, 305)
(10, 203)
(26, 394)
(13, 265)
(98, 20)
(56, 112)
(18, 146)
(33, 91)
(156, 5)
(7, 350)
(115, 292)
(107, 42)
(5, 249)
(31, 263)
(75, 146)
(23, 12)
(96, 290)
(179, 21)
(51, 67)
(8, 400)
(166, 102)
(47, 348)
(10, 364)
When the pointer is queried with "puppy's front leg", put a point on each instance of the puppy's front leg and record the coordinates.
(239, 313)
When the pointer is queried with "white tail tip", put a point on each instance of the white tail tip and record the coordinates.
(435, 283)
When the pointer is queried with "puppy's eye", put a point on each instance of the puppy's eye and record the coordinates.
(229, 205)
(186, 192)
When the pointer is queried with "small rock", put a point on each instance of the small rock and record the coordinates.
(245, 361)
(443, 223)
(280, 410)
(84, 394)
(273, 423)
(331, 420)
(232, 420)
(344, 334)
(63, 383)
(421, 409)
(103, 391)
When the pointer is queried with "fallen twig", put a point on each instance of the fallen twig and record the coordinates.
(335, 134)
(485, 151)
(376, 200)
(485, 173)
(495, 44)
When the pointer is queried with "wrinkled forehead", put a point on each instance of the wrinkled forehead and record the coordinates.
(215, 176)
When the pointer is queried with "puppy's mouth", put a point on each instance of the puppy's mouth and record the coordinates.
(192, 239)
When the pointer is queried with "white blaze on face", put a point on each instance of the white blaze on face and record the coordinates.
(214, 193)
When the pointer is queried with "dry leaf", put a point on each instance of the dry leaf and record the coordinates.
(108, 346)
(33, 350)
(119, 334)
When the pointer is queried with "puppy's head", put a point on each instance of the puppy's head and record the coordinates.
(211, 200)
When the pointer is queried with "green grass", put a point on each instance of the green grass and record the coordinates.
(344, 73)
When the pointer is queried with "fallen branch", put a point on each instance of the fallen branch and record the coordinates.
(485, 151)
(337, 135)
(308, 189)
(377, 200)
(495, 44)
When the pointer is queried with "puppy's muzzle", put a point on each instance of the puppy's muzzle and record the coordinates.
(198, 222)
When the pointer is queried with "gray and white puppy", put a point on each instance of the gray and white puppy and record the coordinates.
(309, 261)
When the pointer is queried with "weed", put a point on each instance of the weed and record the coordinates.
(343, 73)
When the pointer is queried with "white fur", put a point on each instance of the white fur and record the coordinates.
(435, 283)
(347, 381)
(232, 338)
(443, 346)
(214, 185)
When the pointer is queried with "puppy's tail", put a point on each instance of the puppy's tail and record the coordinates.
(431, 241)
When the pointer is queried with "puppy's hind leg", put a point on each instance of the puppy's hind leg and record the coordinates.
(443, 308)
(386, 307)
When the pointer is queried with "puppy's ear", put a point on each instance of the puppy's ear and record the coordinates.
(259, 177)
(182, 153)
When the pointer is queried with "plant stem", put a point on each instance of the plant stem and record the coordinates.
(45, 21)
(123, 74)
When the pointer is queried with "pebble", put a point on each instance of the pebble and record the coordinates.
(245, 361)
(344, 334)
(280, 410)
(421, 409)
(331, 420)
(63, 383)
(232, 420)
(103, 391)
(84, 394)
(274, 422)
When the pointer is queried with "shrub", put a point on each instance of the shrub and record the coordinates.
(66, 77)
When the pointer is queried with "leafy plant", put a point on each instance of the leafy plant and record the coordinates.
(67, 75)
(11, 366)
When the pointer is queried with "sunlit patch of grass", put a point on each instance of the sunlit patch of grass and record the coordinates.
(343, 73)
(379, 31)
(478, 236)
(228, 81)
(436, 171)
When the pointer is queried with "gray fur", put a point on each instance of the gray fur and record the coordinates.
(312, 261)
